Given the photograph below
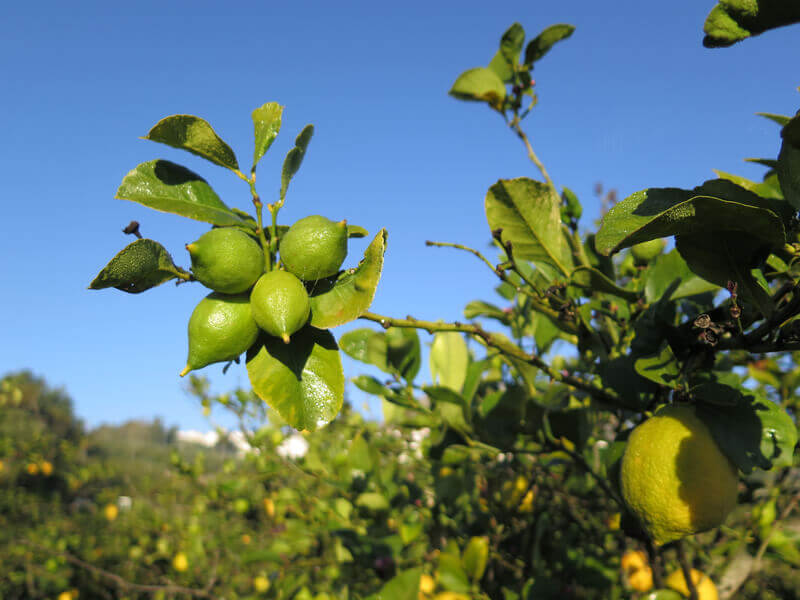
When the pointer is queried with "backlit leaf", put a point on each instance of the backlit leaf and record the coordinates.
(266, 125)
(449, 359)
(195, 135)
(481, 85)
(294, 158)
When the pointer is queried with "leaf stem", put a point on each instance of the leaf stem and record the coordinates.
(515, 126)
(506, 347)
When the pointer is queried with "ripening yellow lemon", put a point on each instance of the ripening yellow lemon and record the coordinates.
(65, 596)
(110, 512)
(269, 507)
(450, 596)
(675, 478)
(426, 584)
(33, 469)
(46, 467)
(641, 580)
(706, 590)
(633, 560)
(246, 539)
(180, 563)
(261, 584)
(637, 572)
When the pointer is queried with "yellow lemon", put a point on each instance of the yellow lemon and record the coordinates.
(426, 584)
(65, 596)
(180, 563)
(675, 478)
(633, 560)
(450, 596)
(33, 469)
(46, 468)
(261, 584)
(269, 507)
(641, 580)
(111, 512)
(246, 539)
(706, 590)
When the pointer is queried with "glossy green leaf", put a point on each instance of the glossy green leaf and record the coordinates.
(452, 576)
(266, 125)
(475, 557)
(481, 85)
(717, 205)
(303, 380)
(511, 43)
(762, 189)
(349, 294)
(662, 368)
(139, 266)
(354, 231)
(751, 430)
(294, 158)
(732, 21)
(723, 256)
(592, 280)
(365, 345)
(369, 384)
(528, 213)
(670, 272)
(449, 359)
(194, 135)
(403, 586)
(168, 187)
(541, 44)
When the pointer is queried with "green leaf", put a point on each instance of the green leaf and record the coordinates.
(478, 308)
(732, 21)
(187, 132)
(266, 124)
(303, 380)
(662, 368)
(369, 384)
(354, 231)
(138, 267)
(449, 359)
(365, 345)
(359, 455)
(451, 573)
(499, 65)
(294, 158)
(592, 280)
(475, 557)
(717, 205)
(480, 85)
(762, 189)
(372, 501)
(669, 269)
(404, 586)
(788, 167)
(779, 119)
(450, 406)
(168, 187)
(528, 213)
(541, 44)
(349, 294)
(751, 430)
(511, 43)
(403, 352)
(723, 256)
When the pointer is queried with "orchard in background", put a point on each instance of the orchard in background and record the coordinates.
(619, 421)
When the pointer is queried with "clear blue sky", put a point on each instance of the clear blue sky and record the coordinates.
(632, 100)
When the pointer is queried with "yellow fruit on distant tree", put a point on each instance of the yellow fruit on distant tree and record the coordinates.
(33, 469)
(65, 596)
(450, 596)
(426, 584)
(614, 521)
(637, 572)
(110, 512)
(706, 590)
(517, 496)
(2, 466)
(633, 560)
(675, 478)
(261, 584)
(46, 467)
(269, 507)
(180, 563)
(246, 539)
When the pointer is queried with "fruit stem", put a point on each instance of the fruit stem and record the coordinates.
(286, 339)
(268, 255)
(186, 369)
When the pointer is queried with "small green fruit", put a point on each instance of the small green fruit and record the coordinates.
(646, 251)
(280, 304)
(226, 260)
(220, 328)
(314, 247)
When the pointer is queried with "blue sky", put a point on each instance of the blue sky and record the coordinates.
(632, 100)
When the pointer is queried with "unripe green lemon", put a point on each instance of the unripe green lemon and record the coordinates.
(226, 260)
(675, 478)
(647, 251)
(221, 328)
(280, 304)
(314, 247)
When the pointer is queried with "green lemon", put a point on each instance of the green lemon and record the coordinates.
(314, 247)
(221, 328)
(675, 478)
(644, 252)
(226, 260)
(280, 304)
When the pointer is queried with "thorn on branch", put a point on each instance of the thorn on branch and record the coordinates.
(133, 229)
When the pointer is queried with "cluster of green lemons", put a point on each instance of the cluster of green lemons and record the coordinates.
(246, 300)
